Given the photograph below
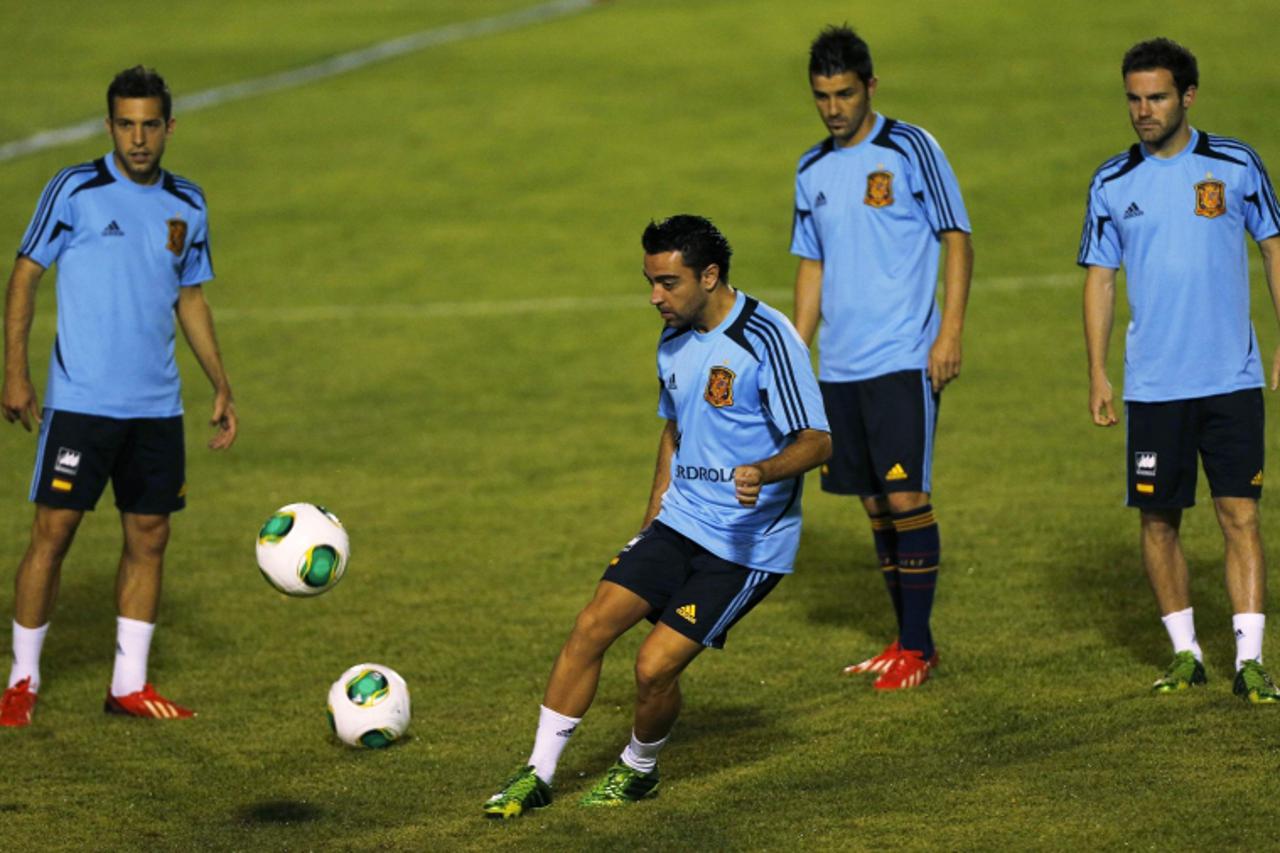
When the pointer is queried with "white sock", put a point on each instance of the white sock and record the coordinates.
(27, 643)
(1248, 628)
(133, 645)
(1182, 632)
(642, 757)
(554, 730)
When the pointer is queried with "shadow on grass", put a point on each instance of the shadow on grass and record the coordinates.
(279, 812)
(1104, 586)
(839, 581)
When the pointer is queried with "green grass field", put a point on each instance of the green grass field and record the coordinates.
(430, 303)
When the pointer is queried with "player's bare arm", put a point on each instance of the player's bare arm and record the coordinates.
(19, 399)
(1270, 249)
(197, 325)
(661, 472)
(945, 354)
(809, 449)
(808, 298)
(1099, 316)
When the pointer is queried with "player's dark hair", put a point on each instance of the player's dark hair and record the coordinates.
(1163, 53)
(139, 82)
(699, 243)
(837, 50)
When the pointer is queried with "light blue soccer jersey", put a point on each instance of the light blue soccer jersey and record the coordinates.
(1177, 226)
(123, 250)
(737, 393)
(873, 213)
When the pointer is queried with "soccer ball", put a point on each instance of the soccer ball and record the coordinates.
(369, 706)
(303, 549)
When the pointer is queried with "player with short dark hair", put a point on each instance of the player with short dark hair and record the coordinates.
(744, 421)
(131, 242)
(873, 203)
(1173, 210)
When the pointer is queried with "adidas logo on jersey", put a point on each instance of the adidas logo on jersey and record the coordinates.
(671, 382)
(113, 230)
(820, 200)
(690, 612)
(1132, 210)
(897, 472)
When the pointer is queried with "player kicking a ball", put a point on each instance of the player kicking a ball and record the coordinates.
(744, 422)
(132, 248)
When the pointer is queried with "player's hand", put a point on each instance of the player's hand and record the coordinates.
(19, 402)
(944, 361)
(1100, 402)
(1275, 370)
(224, 418)
(747, 480)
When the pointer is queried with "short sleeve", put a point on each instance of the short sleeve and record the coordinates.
(197, 263)
(1099, 239)
(1262, 213)
(804, 236)
(788, 388)
(934, 182)
(53, 224)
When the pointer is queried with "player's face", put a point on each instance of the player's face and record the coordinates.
(844, 104)
(139, 130)
(678, 292)
(1157, 112)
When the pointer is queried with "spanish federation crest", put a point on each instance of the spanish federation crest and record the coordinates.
(177, 236)
(879, 189)
(1211, 198)
(719, 391)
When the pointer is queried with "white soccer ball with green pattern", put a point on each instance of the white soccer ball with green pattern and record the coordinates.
(369, 706)
(303, 549)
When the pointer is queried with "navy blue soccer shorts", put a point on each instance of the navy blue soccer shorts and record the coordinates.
(882, 432)
(691, 590)
(1226, 432)
(144, 458)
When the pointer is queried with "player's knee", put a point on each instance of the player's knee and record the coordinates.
(1238, 518)
(147, 536)
(655, 675)
(591, 631)
(53, 530)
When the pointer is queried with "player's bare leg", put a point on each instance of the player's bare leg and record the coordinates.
(612, 611)
(1245, 566)
(1166, 568)
(141, 565)
(662, 657)
(634, 776)
(138, 602)
(39, 573)
(1163, 559)
(1246, 578)
(35, 592)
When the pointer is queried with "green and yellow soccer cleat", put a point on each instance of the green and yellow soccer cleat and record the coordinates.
(1254, 685)
(622, 785)
(1184, 672)
(522, 792)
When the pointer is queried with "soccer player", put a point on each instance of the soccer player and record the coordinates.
(873, 201)
(744, 421)
(131, 242)
(1173, 211)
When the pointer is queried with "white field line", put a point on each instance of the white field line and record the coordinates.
(331, 67)
(555, 305)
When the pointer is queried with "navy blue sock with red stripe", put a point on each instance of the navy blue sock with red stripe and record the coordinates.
(919, 547)
(886, 540)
